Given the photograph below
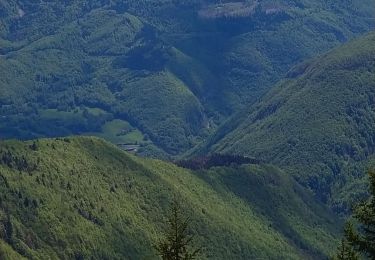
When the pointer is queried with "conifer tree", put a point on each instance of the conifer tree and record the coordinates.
(176, 244)
(360, 236)
(346, 250)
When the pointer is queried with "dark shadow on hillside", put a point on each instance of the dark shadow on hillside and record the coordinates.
(276, 198)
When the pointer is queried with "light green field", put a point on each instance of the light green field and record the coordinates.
(112, 131)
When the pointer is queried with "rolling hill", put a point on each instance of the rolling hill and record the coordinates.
(82, 197)
(317, 123)
(160, 74)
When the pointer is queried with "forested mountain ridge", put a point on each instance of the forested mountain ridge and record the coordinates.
(82, 197)
(318, 123)
(162, 74)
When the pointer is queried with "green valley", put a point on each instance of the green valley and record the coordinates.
(173, 70)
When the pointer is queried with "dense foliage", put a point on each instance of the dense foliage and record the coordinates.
(173, 70)
(318, 123)
(359, 237)
(82, 197)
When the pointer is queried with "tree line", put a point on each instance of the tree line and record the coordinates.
(216, 160)
(359, 232)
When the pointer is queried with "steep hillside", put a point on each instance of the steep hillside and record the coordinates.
(171, 71)
(82, 197)
(318, 123)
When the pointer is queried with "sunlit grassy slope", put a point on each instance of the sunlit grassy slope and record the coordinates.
(83, 197)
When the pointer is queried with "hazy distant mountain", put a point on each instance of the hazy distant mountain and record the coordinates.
(162, 74)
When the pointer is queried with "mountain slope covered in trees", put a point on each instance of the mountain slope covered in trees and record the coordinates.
(317, 123)
(162, 74)
(82, 197)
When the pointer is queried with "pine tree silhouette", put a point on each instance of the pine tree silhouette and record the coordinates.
(176, 244)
